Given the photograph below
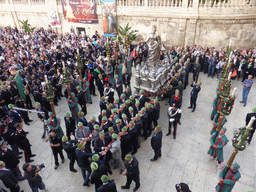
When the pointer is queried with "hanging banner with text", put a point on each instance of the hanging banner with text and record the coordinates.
(109, 17)
(80, 11)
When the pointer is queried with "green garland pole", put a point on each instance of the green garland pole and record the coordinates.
(239, 143)
(50, 95)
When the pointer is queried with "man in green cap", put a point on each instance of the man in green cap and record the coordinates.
(107, 185)
(150, 117)
(103, 103)
(116, 103)
(122, 98)
(14, 114)
(81, 99)
(82, 133)
(83, 162)
(127, 93)
(156, 112)
(144, 118)
(247, 120)
(54, 124)
(118, 86)
(142, 99)
(70, 148)
(132, 172)
(115, 149)
(227, 179)
(217, 144)
(70, 124)
(92, 122)
(193, 95)
(73, 105)
(125, 142)
(133, 132)
(156, 142)
(86, 90)
(98, 171)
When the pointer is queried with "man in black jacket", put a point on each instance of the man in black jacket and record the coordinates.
(83, 162)
(70, 148)
(132, 173)
(142, 99)
(70, 123)
(247, 120)
(156, 112)
(100, 85)
(156, 142)
(34, 179)
(196, 89)
(107, 185)
(81, 99)
(8, 178)
(12, 162)
(118, 85)
(126, 78)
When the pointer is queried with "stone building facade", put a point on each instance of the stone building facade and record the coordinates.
(181, 23)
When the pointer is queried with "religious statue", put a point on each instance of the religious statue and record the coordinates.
(152, 63)
(153, 42)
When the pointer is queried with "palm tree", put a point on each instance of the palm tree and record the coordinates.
(26, 26)
(126, 36)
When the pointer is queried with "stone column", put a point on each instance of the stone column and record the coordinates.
(182, 31)
(185, 3)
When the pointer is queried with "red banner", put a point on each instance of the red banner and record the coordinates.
(80, 11)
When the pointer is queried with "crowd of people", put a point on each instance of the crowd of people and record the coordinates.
(43, 55)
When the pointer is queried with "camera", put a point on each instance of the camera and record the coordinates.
(40, 166)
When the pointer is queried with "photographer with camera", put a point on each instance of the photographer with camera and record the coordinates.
(34, 179)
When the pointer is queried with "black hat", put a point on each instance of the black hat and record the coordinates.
(183, 187)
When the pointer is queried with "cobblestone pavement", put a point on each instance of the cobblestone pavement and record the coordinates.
(183, 160)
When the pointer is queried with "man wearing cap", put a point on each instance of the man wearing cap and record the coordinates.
(193, 95)
(103, 103)
(133, 132)
(182, 187)
(127, 93)
(107, 185)
(144, 118)
(14, 115)
(56, 145)
(114, 116)
(122, 99)
(101, 142)
(125, 120)
(81, 99)
(247, 120)
(70, 124)
(174, 114)
(42, 116)
(228, 179)
(118, 126)
(83, 162)
(70, 148)
(109, 110)
(81, 118)
(92, 122)
(176, 98)
(131, 113)
(115, 149)
(8, 178)
(24, 114)
(125, 141)
(156, 142)
(156, 112)
(132, 172)
(95, 133)
(217, 144)
(98, 171)
(12, 162)
(150, 117)
(116, 103)
(73, 105)
(82, 133)
(118, 85)
(54, 124)
(142, 99)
